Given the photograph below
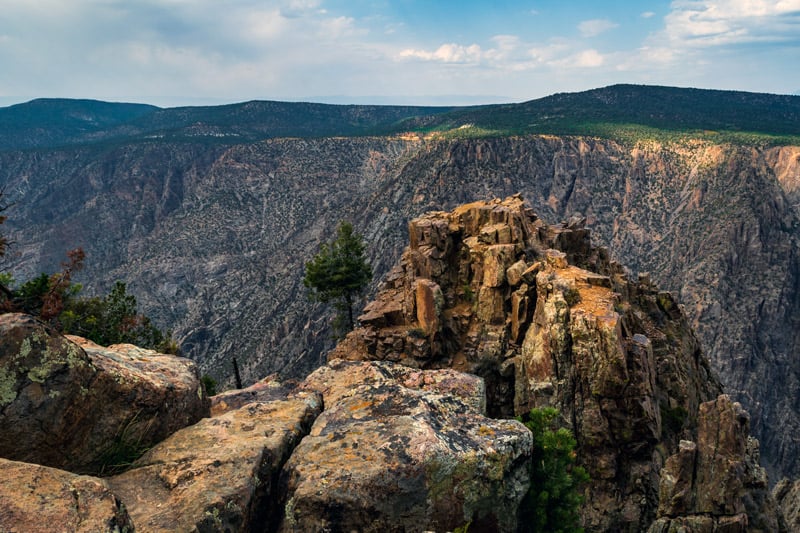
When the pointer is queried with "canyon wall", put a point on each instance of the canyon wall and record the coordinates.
(213, 239)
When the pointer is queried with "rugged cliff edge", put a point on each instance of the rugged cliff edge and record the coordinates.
(549, 320)
(489, 313)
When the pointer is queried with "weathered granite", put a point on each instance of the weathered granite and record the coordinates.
(39, 499)
(219, 474)
(399, 449)
(82, 407)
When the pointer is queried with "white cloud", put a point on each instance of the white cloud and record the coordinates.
(594, 27)
(703, 23)
(589, 59)
(647, 15)
(446, 53)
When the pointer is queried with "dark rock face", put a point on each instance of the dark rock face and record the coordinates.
(716, 484)
(787, 495)
(77, 406)
(213, 239)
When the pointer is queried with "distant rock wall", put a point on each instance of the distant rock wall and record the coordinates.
(212, 239)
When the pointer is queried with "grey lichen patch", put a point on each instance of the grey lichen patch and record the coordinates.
(8, 387)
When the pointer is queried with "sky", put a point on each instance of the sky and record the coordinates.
(207, 52)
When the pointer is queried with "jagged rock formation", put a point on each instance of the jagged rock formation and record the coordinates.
(716, 483)
(212, 238)
(787, 495)
(537, 316)
(490, 289)
(63, 399)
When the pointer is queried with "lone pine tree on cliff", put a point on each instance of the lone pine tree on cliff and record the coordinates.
(338, 274)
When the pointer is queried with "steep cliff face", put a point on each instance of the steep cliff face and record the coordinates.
(213, 239)
(491, 290)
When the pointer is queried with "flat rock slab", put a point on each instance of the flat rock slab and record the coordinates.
(219, 474)
(399, 449)
(38, 499)
(266, 390)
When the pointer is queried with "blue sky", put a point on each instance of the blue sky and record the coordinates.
(188, 52)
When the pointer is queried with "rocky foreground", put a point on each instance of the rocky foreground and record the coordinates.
(490, 312)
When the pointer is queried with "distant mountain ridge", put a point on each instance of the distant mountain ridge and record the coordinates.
(668, 108)
(54, 123)
(47, 123)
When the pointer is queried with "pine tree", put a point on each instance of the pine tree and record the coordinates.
(339, 273)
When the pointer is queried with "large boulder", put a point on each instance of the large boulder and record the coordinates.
(39, 499)
(399, 449)
(219, 474)
(71, 404)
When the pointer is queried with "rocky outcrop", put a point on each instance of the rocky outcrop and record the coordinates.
(549, 320)
(83, 407)
(212, 239)
(490, 311)
(395, 449)
(399, 449)
(787, 495)
(716, 483)
(219, 474)
(38, 499)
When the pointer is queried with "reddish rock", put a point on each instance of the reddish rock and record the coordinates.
(429, 302)
(399, 449)
(38, 499)
(219, 474)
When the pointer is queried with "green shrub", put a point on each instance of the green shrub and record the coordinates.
(209, 384)
(554, 498)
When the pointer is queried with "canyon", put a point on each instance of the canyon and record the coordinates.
(212, 236)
